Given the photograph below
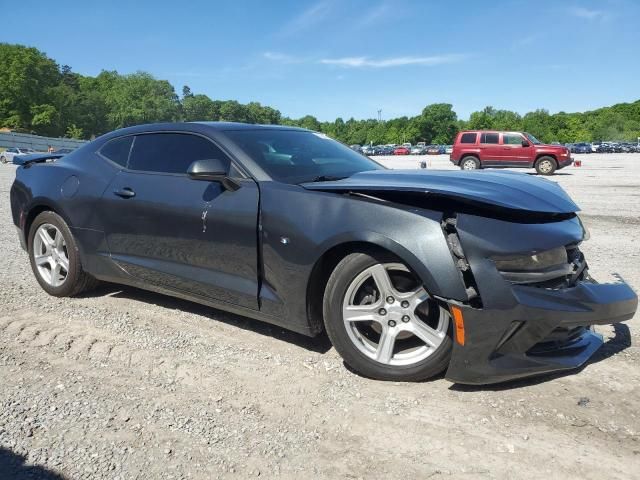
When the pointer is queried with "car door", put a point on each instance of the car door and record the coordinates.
(490, 149)
(186, 235)
(513, 152)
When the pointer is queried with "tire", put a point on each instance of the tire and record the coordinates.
(3, 159)
(546, 166)
(54, 252)
(352, 292)
(469, 163)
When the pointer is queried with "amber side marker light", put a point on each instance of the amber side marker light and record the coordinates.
(458, 321)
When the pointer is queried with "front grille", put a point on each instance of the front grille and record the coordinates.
(561, 337)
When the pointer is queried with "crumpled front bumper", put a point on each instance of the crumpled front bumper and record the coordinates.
(540, 334)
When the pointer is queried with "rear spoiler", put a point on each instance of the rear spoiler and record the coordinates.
(26, 160)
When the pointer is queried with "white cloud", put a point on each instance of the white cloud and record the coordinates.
(308, 18)
(586, 13)
(367, 62)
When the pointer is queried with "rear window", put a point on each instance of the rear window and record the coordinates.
(468, 138)
(117, 150)
(172, 152)
(489, 138)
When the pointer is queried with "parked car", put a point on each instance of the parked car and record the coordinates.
(367, 150)
(355, 148)
(409, 272)
(435, 150)
(580, 148)
(474, 149)
(407, 145)
(401, 151)
(10, 153)
(417, 150)
(448, 149)
(387, 150)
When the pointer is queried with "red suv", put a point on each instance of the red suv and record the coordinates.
(475, 149)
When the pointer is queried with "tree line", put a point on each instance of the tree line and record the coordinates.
(39, 96)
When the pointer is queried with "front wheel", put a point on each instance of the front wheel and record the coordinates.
(3, 159)
(546, 166)
(383, 322)
(55, 259)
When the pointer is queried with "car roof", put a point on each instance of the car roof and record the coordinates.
(247, 126)
(197, 127)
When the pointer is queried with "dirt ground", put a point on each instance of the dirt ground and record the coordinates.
(124, 384)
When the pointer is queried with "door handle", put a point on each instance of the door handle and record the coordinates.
(125, 192)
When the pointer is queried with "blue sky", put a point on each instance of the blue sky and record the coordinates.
(346, 58)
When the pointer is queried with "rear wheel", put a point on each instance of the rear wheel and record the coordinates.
(383, 322)
(55, 259)
(3, 159)
(546, 166)
(470, 163)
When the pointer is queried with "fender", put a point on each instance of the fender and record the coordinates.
(294, 239)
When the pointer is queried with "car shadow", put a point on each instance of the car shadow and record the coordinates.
(14, 466)
(318, 344)
(620, 341)
(554, 174)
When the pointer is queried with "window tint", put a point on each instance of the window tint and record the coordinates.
(295, 156)
(172, 152)
(512, 139)
(468, 138)
(489, 138)
(117, 150)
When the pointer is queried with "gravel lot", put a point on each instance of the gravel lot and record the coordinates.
(127, 384)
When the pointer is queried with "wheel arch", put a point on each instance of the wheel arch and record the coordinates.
(334, 253)
(550, 155)
(35, 209)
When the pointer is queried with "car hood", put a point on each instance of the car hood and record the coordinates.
(509, 190)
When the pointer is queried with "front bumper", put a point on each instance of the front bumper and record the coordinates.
(541, 334)
(565, 162)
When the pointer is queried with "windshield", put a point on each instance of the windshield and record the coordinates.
(533, 139)
(292, 156)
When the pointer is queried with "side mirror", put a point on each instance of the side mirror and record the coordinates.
(525, 143)
(212, 170)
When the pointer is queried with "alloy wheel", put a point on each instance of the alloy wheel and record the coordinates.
(469, 165)
(390, 318)
(545, 166)
(50, 255)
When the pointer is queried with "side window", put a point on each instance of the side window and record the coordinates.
(117, 150)
(468, 138)
(489, 138)
(512, 139)
(171, 152)
(12, 150)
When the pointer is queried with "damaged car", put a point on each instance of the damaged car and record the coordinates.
(410, 273)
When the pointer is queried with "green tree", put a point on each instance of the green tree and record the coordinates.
(437, 124)
(26, 83)
(73, 131)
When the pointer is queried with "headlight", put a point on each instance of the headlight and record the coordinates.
(538, 267)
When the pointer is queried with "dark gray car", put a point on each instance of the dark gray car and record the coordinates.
(408, 272)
